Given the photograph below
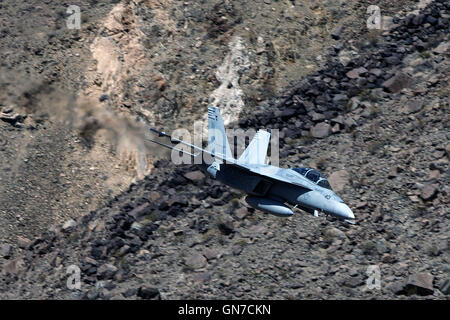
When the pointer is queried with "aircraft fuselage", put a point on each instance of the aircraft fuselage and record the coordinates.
(270, 187)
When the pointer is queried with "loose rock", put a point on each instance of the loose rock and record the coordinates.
(321, 130)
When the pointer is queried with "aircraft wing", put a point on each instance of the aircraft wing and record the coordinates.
(266, 171)
(215, 154)
(276, 174)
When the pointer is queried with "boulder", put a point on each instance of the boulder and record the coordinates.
(195, 176)
(226, 226)
(333, 233)
(336, 32)
(154, 195)
(355, 73)
(445, 287)
(23, 242)
(5, 250)
(130, 292)
(321, 130)
(419, 283)
(442, 47)
(107, 271)
(241, 213)
(69, 225)
(140, 211)
(340, 98)
(338, 180)
(13, 267)
(428, 192)
(210, 253)
(195, 261)
(414, 106)
(145, 292)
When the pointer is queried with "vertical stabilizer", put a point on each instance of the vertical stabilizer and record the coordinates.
(217, 138)
(256, 151)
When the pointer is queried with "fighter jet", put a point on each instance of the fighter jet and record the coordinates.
(269, 188)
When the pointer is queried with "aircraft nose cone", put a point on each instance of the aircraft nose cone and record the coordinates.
(344, 211)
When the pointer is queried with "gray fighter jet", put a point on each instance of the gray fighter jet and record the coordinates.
(270, 189)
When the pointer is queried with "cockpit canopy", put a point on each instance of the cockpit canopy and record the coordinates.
(315, 176)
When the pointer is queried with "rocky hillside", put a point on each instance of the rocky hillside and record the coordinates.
(372, 116)
(71, 98)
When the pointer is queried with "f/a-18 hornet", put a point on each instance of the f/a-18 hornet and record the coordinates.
(270, 189)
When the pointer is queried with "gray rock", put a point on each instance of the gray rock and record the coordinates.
(287, 113)
(154, 195)
(393, 172)
(195, 176)
(339, 119)
(241, 213)
(140, 211)
(376, 72)
(442, 47)
(414, 106)
(387, 23)
(5, 250)
(145, 292)
(10, 118)
(237, 249)
(336, 32)
(349, 122)
(445, 287)
(136, 226)
(211, 253)
(130, 292)
(397, 82)
(368, 247)
(381, 246)
(321, 130)
(92, 294)
(333, 233)
(315, 116)
(124, 250)
(226, 226)
(90, 261)
(23, 242)
(340, 98)
(13, 267)
(106, 271)
(69, 225)
(420, 283)
(428, 192)
(336, 128)
(396, 287)
(355, 73)
(353, 282)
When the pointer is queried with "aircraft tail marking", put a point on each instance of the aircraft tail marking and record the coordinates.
(217, 138)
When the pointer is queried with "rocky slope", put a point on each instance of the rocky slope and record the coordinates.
(373, 117)
(75, 94)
